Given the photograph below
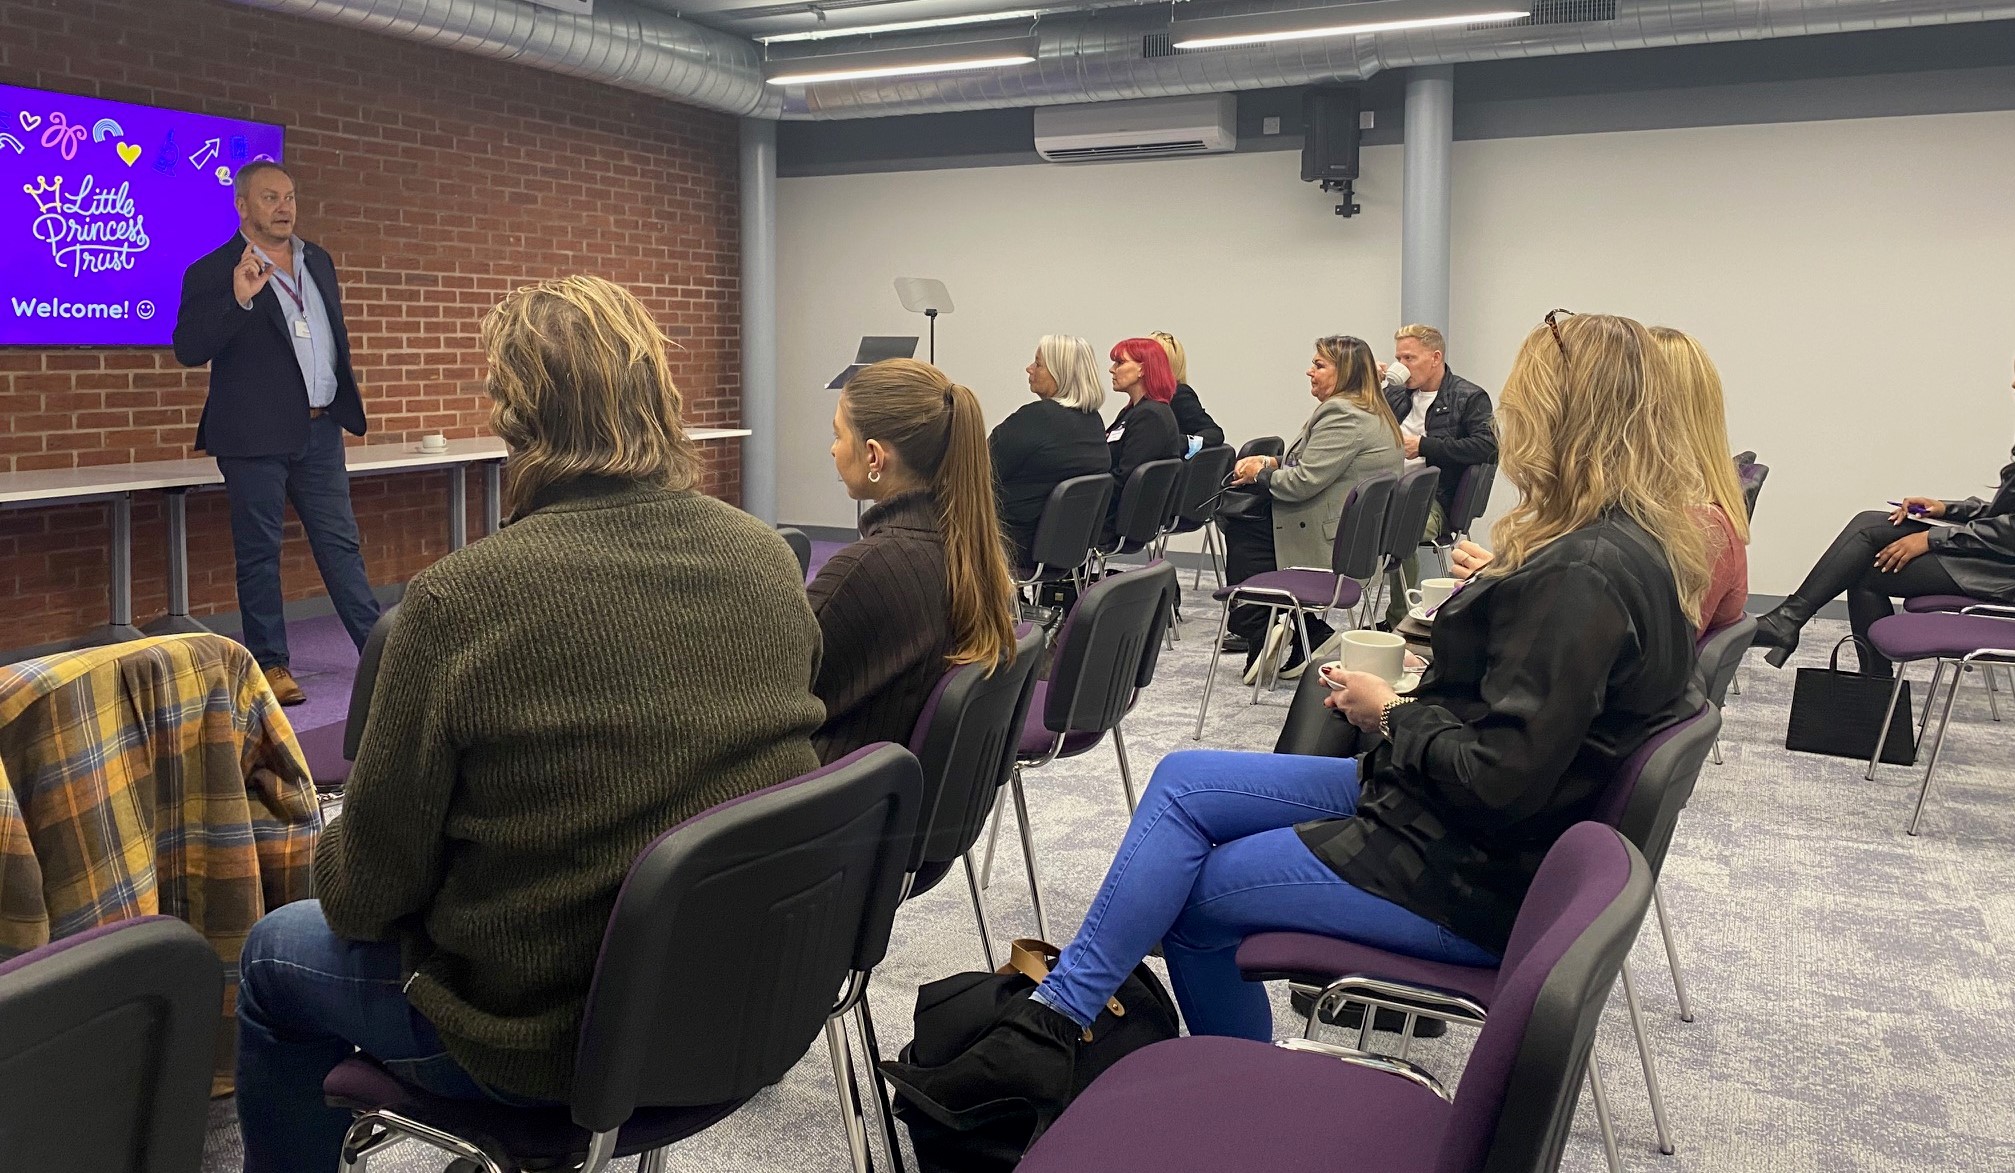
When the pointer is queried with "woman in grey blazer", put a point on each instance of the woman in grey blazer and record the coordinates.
(1351, 435)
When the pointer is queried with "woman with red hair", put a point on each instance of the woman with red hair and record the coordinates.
(1145, 428)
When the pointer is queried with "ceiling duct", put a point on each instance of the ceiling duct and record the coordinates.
(620, 45)
(1096, 56)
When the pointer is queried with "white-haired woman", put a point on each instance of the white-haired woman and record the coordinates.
(1047, 442)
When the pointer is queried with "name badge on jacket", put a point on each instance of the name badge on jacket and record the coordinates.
(1114, 436)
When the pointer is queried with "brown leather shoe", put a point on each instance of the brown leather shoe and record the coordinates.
(285, 689)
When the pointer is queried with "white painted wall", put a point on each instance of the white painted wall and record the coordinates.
(1855, 280)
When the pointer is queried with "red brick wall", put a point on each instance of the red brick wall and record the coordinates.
(438, 181)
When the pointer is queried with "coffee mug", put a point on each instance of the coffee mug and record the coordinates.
(1432, 592)
(433, 442)
(1380, 653)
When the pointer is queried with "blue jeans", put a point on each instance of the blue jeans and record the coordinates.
(315, 481)
(1212, 858)
(307, 1000)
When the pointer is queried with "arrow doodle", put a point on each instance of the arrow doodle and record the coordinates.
(107, 128)
(8, 140)
(207, 152)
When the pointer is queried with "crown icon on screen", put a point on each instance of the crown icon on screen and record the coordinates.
(48, 196)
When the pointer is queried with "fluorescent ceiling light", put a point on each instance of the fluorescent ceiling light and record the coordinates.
(988, 53)
(906, 26)
(1379, 16)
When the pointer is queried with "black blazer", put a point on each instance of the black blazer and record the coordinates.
(1034, 450)
(1191, 417)
(1141, 432)
(258, 404)
(1544, 681)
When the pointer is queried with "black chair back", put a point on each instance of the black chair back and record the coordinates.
(1412, 501)
(1752, 475)
(1203, 477)
(800, 543)
(1656, 782)
(1720, 653)
(1144, 504)
(1108, 649)
(366, 680)
(1359, 549)
(1272, 446)
(107, 1044)
(965, 742)
(1472, 497)
(1070, 523)
(734, 932)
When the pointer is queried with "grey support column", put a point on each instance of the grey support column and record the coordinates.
(759, 317)
(1424, 249)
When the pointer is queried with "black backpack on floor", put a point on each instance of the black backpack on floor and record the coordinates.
(953, 1012)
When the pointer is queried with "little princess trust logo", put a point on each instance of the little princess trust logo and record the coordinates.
(88, 230)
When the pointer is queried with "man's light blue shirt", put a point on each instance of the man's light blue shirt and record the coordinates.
(317, 352)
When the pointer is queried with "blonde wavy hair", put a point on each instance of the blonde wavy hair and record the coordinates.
(1585, 425)
(1704, 422)
(580, 387)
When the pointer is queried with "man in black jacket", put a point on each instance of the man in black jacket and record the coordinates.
(1445, 422)
(263, 310)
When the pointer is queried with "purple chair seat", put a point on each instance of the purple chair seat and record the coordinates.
(1275, 956)
(535, 1136)
(1278, 1110)
(1036, 737)
(1931, 604)
(1922, 637)
(1310, 588)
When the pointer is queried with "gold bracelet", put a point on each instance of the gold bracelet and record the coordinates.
(1385, 715)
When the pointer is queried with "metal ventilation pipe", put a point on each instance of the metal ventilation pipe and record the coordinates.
(620, 45)
(1100, 56)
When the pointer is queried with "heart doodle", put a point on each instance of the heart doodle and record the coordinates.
(129, 153)
(30, 121)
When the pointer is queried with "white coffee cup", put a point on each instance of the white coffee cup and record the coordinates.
(433, 442)
(1380, 653)
(1432, 592)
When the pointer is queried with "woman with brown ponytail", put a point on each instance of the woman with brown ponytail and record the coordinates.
(927, 586)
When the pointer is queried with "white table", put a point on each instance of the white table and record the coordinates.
(115, 485)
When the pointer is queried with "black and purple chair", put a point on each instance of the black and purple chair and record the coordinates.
(1205, 1104)
(1979, 637)
(1471, 498)
(965, 740)
(1357, 556)
(1197, 493)
(1717, 656)
(1105, 654)
(730, 937)
(107, 1043)
(800, 543)
(1405, 525)
(1065, 534)
(1145, 508)
(1643, 804)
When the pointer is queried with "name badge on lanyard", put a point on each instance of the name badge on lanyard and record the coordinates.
(294, 295)
(301, 328)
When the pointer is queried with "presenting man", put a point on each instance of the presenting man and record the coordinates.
(1444, 421)
(263, 311)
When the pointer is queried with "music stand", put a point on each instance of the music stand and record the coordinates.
(929, 297)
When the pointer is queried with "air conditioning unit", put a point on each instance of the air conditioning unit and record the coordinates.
(1149, 129)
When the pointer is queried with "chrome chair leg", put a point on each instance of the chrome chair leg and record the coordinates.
(1993, 693)
(1644, 1057)
(1028, 856)
(1937, 744)
(1602, 1120)
(1210, 676)
(1716, 755)
(1266, 637)
(993, 838)
(1889, 714)
(850, 1095)
(654, 1161)
(1671, 953)
(1930, 700)
(979, 911)
(1125, 771)
(885, 1119)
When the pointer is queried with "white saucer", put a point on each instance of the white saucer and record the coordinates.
(1420, 616)
(1407, 683)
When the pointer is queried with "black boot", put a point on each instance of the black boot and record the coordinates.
(1025, 1061)
(1778, 631)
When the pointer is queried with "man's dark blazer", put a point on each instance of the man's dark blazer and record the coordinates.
(258, 404)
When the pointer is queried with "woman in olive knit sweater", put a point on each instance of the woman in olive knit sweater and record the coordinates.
(551, 699)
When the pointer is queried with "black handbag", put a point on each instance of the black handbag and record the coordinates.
(953, 1012)
(1245, 503)
(1839, 713)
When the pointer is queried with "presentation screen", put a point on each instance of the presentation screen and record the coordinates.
(102, 206)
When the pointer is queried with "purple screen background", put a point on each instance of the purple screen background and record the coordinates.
(102, 206)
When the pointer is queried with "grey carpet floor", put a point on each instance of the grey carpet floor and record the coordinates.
(1852, 984)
